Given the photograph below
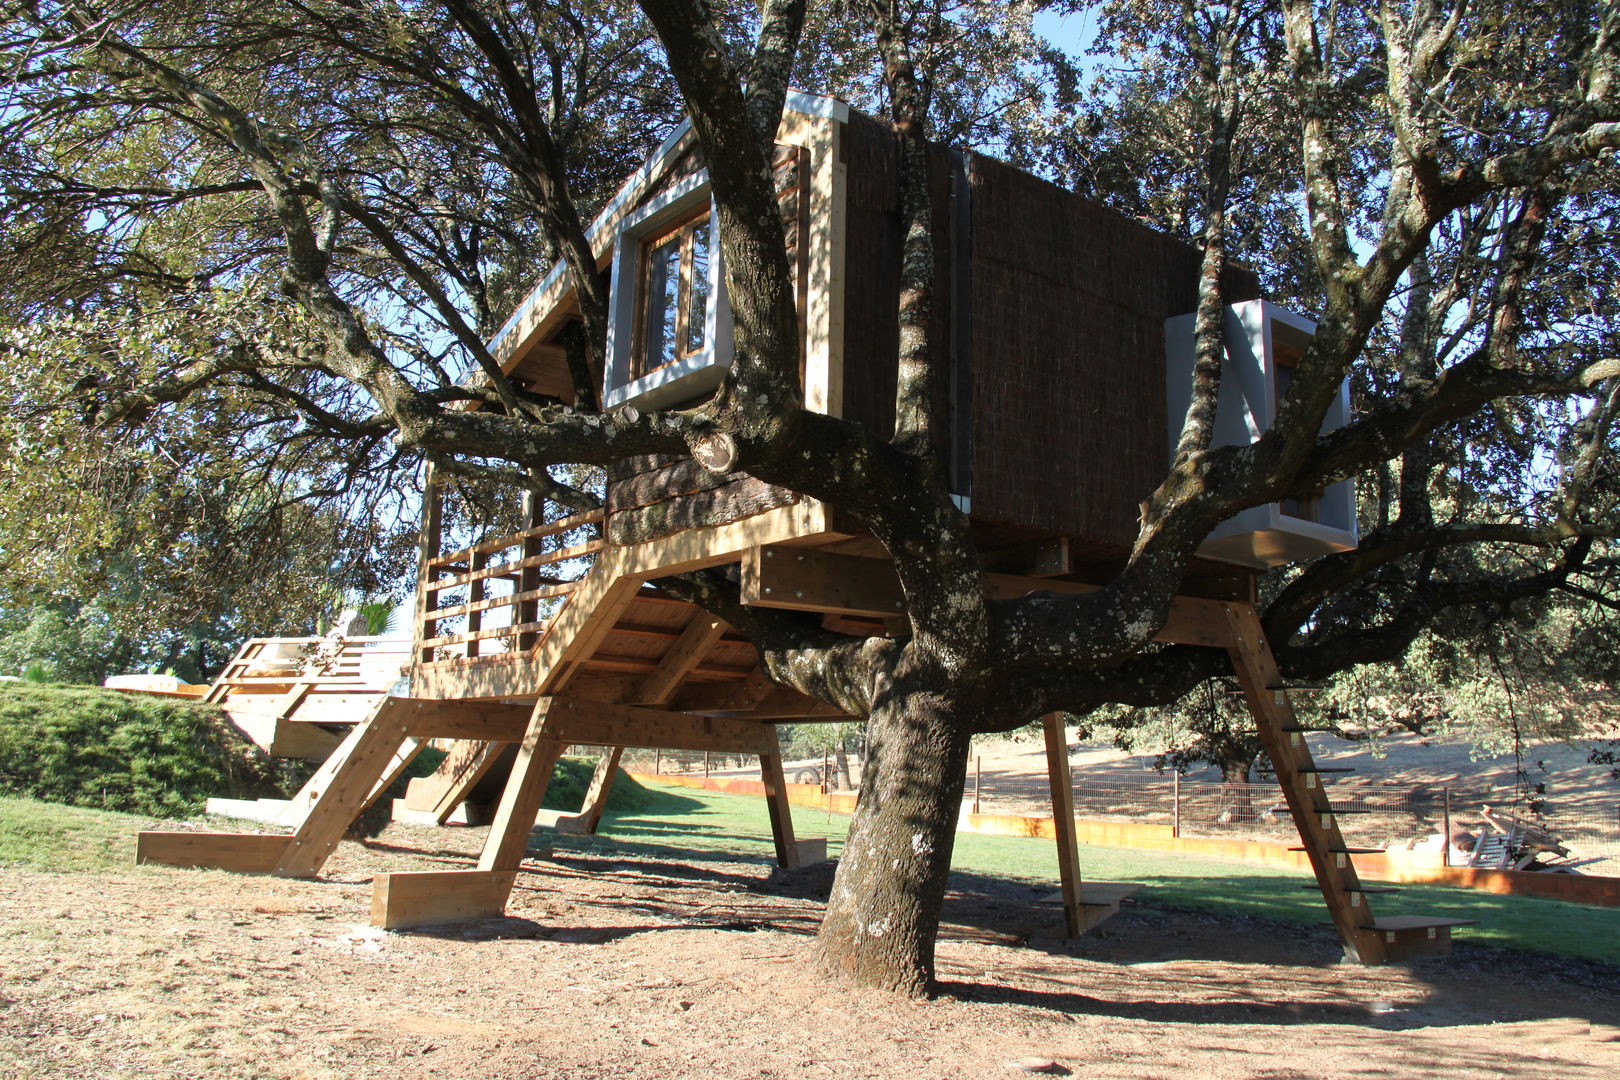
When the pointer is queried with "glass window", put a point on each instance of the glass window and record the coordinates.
(697, 306)
(663, 304)
(675, 292)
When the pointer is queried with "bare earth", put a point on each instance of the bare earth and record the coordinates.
(697, 968)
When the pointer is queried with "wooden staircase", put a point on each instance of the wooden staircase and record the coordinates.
(1366, 937)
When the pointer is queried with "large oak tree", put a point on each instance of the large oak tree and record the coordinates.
(333, 203)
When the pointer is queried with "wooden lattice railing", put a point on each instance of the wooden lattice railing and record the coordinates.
(515, 563)
(273, 665)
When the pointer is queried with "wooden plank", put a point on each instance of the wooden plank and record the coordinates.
(802, 579)
(503, 675)
(695, 642)
(244, 853)
(494, 721)
(525, 597)
(513, 566)
(1068, 847)
(365, 755)
(482, 635)
(574, 720)
(525, 790)
(534, 532)
(776, 800)
(423, 898)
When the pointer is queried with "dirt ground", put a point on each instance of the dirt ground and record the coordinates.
(692, 968)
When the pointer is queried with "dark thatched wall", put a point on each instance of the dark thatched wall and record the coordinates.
(1064, 363)
(1069, 303)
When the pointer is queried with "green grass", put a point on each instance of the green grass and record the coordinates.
(84, 746)
(737, 825)
(38, 835)
(677, 821)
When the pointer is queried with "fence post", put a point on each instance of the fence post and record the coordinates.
(705, 764)
(1175, 804)
(658, 763)
(977, 761)
(1445, 847)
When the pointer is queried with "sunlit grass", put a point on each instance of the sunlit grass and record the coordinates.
(738, 825)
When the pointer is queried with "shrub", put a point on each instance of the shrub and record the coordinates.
(145, 755)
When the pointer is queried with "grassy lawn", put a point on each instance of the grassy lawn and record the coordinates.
(44, 836)
(737, 824)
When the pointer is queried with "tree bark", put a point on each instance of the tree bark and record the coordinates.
(883, 913)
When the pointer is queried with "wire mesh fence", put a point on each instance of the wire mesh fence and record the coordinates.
(1372, 816)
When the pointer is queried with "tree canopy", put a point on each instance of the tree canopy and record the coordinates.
(288, 228)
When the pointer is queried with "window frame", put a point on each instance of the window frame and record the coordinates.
(693, 372)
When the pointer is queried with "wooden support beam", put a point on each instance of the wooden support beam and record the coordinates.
(360, 762)
(689, 650)
(574, 720)
(428, 541)
(525, 789)
(1068, 848)
(596, 796)
(804, 579)
(493, 721)
(422, 898)
(298, 807)
(244, 853)
(788, 854)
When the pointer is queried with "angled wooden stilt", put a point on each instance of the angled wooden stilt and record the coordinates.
(368, 753)
(776, 800)
(526, 789)
(1314, 816)
(471, 762)
(1068, 846)
(596, 796)
(299, 806)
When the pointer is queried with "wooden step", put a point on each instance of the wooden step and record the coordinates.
(1402, 937)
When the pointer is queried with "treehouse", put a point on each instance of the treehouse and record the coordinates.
(1061, 326)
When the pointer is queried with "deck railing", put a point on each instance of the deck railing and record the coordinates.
(505, 583)
(271, 665)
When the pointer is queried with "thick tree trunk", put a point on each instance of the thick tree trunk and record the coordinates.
(841, 769)
(884, 910)
(1237, 807)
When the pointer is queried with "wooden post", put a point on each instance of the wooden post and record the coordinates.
(525, 790)
(658, 763)
(596, 796)
(978, 775)
(529, 577)
(368, 752)
(776, 800)
(1068, 847)
(1175, 804)
(705, 764)
(1445, 847)
(428, 550)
